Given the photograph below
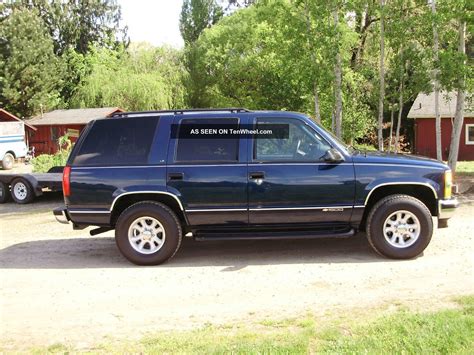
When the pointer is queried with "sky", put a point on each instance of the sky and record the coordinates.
(153, 21)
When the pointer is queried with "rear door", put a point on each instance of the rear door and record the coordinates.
(290, 183)
(209, 171)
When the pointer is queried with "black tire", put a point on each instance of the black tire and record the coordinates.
(379, 214)
(4, 193)
(21, 191)
(169, 222)
(8, 161)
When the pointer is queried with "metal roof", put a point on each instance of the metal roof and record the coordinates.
(73, 116)
(11, 116)
(423, 107)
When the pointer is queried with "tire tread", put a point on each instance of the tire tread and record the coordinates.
(168, 210)
(384, 201)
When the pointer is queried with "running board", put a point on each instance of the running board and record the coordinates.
(273, 235)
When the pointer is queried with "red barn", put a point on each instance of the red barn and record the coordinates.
(52, 125)
(425, 138)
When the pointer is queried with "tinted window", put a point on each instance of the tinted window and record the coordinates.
(122, 141)
(302, 144)
(208, 149)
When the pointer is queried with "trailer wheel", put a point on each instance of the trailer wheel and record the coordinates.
(4, 193)
(8, 161)
(21, 191)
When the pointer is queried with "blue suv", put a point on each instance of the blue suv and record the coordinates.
(157, 176)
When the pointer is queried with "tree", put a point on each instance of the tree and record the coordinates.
(439, 148)
(382, 77)
(337, 79)
(75, 27)
(29, 71)
(459, 115)
(196, 16)
(139, 78)
(78, 25)
(318, 45)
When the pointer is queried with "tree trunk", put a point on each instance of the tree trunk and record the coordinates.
(459, 115)
(382, 78)
(439, 148)
(400, 110)
(338, 82)
(317, 112)
(392, 113)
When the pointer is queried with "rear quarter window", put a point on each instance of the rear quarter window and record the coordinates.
(123, 141)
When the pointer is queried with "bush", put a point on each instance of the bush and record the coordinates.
(42, 163)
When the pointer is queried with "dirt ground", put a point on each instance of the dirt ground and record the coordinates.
(60, 285)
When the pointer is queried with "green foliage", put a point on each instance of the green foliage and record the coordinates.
(79, 25)
(267, 54)
(29, 71)
(261, 58)
(140, 78)
(196, 15)
(42, 163)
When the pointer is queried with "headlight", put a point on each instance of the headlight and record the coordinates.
(448, 183)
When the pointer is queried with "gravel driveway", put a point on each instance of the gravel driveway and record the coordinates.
(60, 285)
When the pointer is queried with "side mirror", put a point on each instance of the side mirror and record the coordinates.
(333, 156)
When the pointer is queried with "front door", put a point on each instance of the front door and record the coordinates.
(289, 182)
(209, 172)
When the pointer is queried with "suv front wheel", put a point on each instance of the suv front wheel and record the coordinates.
(399, 227)
(148, 233)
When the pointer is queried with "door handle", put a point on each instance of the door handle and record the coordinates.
(257, 175)
(175, 176)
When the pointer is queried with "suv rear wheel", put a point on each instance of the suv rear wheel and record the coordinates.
(148, 233)
(399, 227)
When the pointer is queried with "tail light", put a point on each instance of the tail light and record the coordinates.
(67, 181)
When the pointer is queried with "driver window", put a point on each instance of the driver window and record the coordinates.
(302, 143)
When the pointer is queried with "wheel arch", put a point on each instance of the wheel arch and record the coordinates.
(10, 152)
(126, 199)
(424, 192)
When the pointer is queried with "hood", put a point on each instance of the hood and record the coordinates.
(393, 158)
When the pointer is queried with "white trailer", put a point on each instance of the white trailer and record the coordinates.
(12, 143)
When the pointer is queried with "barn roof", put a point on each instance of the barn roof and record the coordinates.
(423, 107)
(73, 116)
(7, 116)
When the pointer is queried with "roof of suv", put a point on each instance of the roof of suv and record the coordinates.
(211, 111)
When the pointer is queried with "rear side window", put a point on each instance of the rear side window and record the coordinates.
(213, 149)
(123, 141)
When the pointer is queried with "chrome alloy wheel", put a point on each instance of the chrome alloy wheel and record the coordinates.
(20, 191)
(401, 229)
(146, 235)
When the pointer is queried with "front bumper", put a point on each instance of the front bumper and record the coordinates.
(446, 208)
(61, 215)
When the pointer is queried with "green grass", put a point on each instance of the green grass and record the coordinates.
(465, 168)
(446, 331)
